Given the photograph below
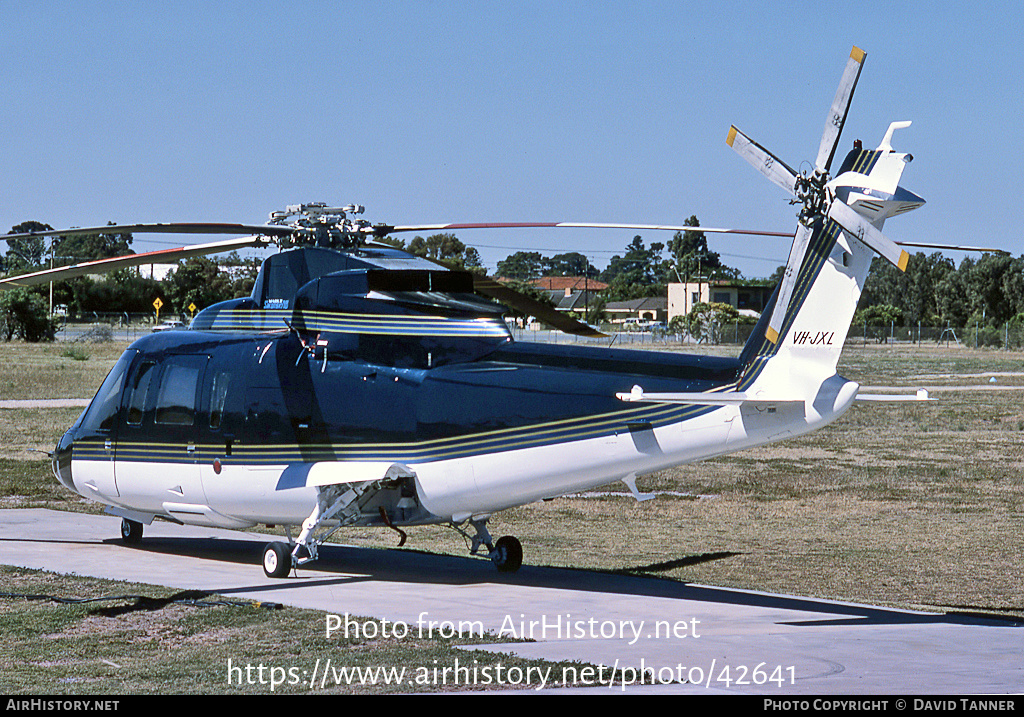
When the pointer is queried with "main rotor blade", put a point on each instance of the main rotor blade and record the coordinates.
(384, 230)
(102, 266)
(796, 260)
(840, 107)
(510, 297)
(777, 171)
(549, 315)
(173, 228)
(856, 225)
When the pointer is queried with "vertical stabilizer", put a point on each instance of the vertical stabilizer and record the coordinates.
(827, 286)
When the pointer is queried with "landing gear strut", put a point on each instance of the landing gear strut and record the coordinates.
(506, 553)
(337, 505)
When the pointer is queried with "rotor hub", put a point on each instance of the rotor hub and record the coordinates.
(812, 193)
(317, 224)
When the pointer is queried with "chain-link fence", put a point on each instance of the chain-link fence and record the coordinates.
(128, 327)
(1009, 336)
(110, 326)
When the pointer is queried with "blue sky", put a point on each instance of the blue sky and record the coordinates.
(430, 112)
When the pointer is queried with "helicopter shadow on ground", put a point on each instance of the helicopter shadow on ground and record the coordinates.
(360, 564)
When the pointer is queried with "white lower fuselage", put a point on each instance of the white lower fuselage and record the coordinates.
(242, 495)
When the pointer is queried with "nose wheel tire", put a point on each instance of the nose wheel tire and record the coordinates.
(277, 560)
(508, 554)
(131, 532)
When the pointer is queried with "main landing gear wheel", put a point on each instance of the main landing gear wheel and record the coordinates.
(131, 532)
(277, 560)
(508, 554)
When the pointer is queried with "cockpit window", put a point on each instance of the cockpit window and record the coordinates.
(102, 412)
(139, 390)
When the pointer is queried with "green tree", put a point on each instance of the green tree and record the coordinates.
(527, 265)
(985, 279)
(638, 265)
(953, 295)
(88, 247)
(25, 315)
(879, 315)
(25, 255)
(1013, 287)
(691, 257)
(197, 280)
(116, 292)
(124, 290)
(522, 266)
(447, 249)
(570, 264)
(637, 273)
(242, 272)
(706, 321)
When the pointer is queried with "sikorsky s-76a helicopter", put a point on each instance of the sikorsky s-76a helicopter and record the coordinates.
(362, 385)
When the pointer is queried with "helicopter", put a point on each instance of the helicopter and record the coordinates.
(360, 385)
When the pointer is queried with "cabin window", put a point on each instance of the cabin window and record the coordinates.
(218, 396)
(176, 399)
(140, 389)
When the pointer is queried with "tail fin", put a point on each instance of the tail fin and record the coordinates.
(828, 285)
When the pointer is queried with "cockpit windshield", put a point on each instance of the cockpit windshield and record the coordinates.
(102, 412)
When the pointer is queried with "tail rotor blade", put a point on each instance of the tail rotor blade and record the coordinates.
(796, 259)
(840, 107)
(762, 160)
(856, 225)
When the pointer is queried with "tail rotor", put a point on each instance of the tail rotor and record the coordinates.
(823, 200)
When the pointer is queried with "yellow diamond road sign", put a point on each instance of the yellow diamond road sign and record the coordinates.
(157, 304)
(192, 308)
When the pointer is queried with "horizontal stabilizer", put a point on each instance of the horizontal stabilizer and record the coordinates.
(921, 395)
(954, 247)
(730, 398)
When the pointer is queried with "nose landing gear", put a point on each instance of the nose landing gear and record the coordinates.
(277, 560)
(131, 532)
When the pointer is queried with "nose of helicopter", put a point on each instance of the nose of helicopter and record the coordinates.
(62, 461)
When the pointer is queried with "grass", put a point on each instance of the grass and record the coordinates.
(908, 505)
(76, 353)
(44, 371)
(144, 640)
